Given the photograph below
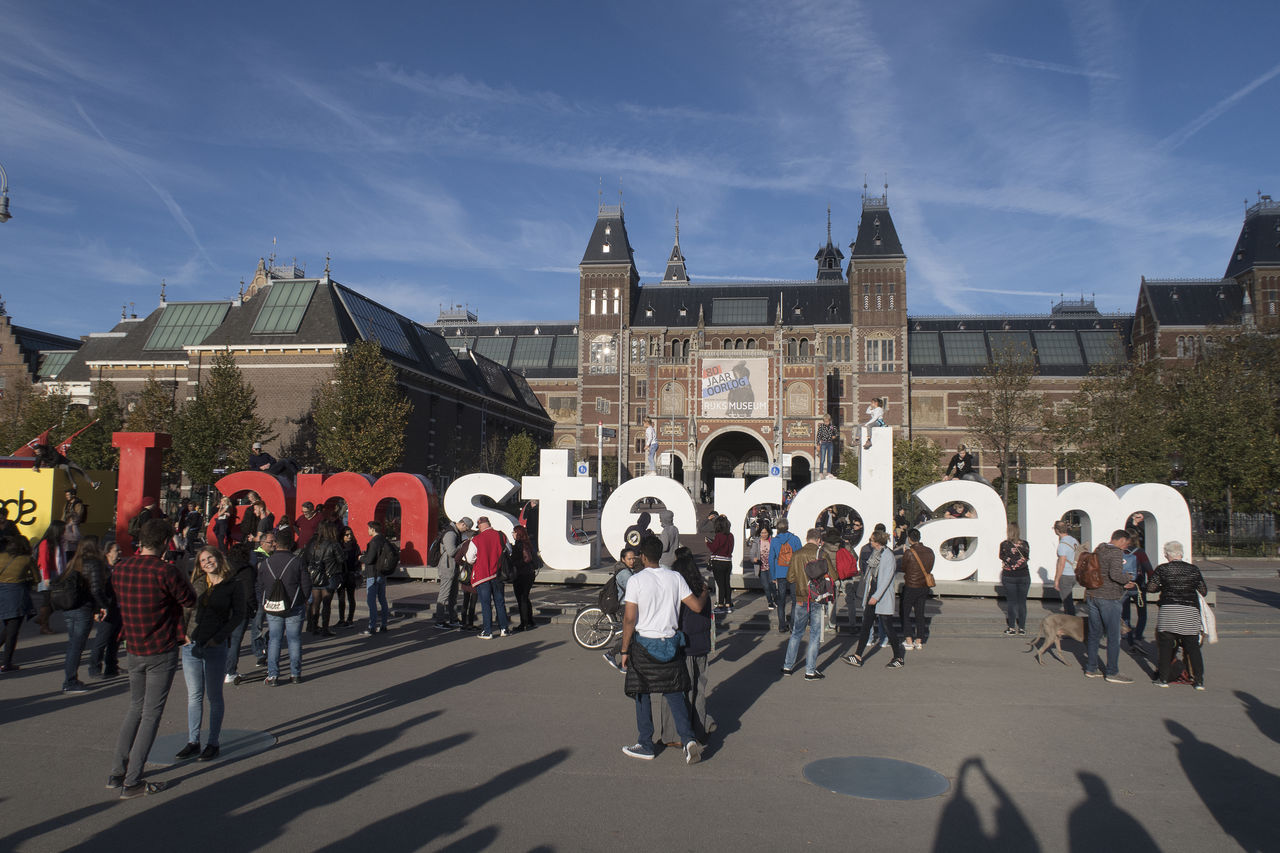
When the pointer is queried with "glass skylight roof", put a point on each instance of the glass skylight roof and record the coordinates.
(186, 324)
(1102, 347)
(1058, 348)
(532, 352)
(377, 324)
(281, 313)
(1019, 342)
(566, 354)
(52, 362)
(439, 352)
(498, 349)
(965, 347)
(924, 348)
(738, 311)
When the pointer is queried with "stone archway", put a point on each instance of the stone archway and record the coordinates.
(733, 452)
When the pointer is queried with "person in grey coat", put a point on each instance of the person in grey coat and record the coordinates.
(454, 538)
(669, 536)
(880, 601)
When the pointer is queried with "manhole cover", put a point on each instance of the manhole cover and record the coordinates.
(876, 778)
(235, 743)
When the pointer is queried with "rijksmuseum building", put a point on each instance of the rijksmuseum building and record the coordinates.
(737, 377)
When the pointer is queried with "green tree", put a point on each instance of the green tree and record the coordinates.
(1004, 412)
(28, 410)
(93, 450)
(915, 465)
(361, 416)
(218, 428)
(521, 456)
(1112, 430)
(849, 468)
(154, 410)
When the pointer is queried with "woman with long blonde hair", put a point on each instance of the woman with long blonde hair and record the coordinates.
(220, 607)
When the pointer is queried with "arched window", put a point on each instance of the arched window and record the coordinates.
(751, 343)
(804, 346)
(831, 353)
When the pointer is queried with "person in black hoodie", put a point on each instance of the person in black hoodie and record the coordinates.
(351, 578)
(285, 607)
(220, 608)
(326, 563)
(243, 573)
(374, 583)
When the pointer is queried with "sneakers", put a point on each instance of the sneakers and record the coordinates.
(1088, 674)
(642, 751)
(612, 661)
(1022, 630)
(191, 750)
(261, 662)
(75, 688)
(270, 681)
(504, 633)
(367, 633)
(884, 644)
(210, 753)
(788, 670)
(114, 781)
(230, 678)
(814, 676)
(853, 660)
(296, 679)
(1119, 679)
(692, 752)
(130, 791)
(485, 635)
(1199, 687)
(895, 663)
(1159, 683)
(1009, 632)
(237, 679)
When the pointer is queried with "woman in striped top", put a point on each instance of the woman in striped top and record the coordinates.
(1178, 623)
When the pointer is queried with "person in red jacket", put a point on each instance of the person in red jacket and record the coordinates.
(484, 553)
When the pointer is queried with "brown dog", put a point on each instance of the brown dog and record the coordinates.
(1053, 628)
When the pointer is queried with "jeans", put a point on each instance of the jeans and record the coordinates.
(1104, 615)
(104, 648)
(285, 626)
(150, 677)
(914, 598)
(770, 592)
(1066, 584)
(257, 639)
(869, 618)
(204, 680)
(1168, 642)
(375, 590)
(783, 591)
(488, 591)
(680, 713)
(1131, 595)
(1016, 589)
(78, 624)
(695, 702)
(652, 457)
(825, 451)
(805, 618)
(237, 639)
(447, 597)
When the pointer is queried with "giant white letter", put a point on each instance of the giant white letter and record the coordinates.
(617, 515)
(554, 487)
(988, 528)
(873, 499)
(734, 499)
(460, 499)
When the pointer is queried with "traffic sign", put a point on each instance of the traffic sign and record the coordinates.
(775, 471)
(607, 432)
(583, 469)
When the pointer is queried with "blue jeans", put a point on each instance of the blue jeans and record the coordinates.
(258, 637)
(1131, 595)
(679, 713)
(204, 679)
(825, 451)
(78, 624)
(487, 592)
(237, 639)
(284, 626)
(1104, 615)
(806, 618)
(652, 457)
(375, 590)
(782, 591)
(1016, 589)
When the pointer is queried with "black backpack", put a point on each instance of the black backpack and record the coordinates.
(819, 581)
(67, 591)
(608, 600)
(436, 550)
(135, 526)
(388, 559)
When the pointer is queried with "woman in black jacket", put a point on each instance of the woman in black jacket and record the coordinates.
(1178, 622)
(352, 579)
(327, 563)
(524, 562)
(220, 607)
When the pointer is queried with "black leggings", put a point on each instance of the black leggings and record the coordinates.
(864, 633)
(720, 569)
(11, 627)
(914, 598)
(1167, 642)
(346, 603)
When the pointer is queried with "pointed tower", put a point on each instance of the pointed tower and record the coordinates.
(829, 258)
(878, 294)
(676, 273)
(1255, 261)
(608, 288)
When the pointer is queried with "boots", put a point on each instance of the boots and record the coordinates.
(42, 619)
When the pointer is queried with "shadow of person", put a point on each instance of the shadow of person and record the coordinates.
(1099, 824)
(1264, 716)
(960, 827)
(1232, 789)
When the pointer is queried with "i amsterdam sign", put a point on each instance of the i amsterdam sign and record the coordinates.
(556, 486)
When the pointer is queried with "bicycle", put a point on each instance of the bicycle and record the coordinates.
(595, 629)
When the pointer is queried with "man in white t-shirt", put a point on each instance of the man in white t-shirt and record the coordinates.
(1064, 573)
(652, 648)
(651, 445)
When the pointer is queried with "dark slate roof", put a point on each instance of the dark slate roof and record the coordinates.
(877, 238)
(1259, 241)
(325, 321)
(1064, 344)
(610, 231)
(1203, 302)
(829, 252)
(32, 342)
(804, 303)
(125, 342)
(676, 270)
(489, 339)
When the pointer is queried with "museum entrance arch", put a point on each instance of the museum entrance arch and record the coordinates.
(733, 453)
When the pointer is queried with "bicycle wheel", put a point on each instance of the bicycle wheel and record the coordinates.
(592, 629)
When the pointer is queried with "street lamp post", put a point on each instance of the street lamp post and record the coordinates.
(4, 196)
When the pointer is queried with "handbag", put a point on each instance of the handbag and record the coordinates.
(929, 580)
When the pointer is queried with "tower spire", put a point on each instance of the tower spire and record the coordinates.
(161, 291)
(676, 271)
(828, 225)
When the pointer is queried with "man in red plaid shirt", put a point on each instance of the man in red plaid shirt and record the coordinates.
(151, 594)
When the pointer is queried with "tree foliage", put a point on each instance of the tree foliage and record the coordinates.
(93, 450)
(849, 469)
(521, 456)
(362, 415)
(915, 465)
(154, 410)
(1005, 414)
(26, 411)
(217, 429)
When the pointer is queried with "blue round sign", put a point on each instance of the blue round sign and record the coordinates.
(583, 470)
(775, 471)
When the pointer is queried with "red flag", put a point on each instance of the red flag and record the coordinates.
(28, 450)
(66, 445)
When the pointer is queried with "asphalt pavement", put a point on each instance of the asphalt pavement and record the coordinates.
(437, 740)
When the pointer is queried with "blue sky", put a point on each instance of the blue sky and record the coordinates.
(454, 152)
